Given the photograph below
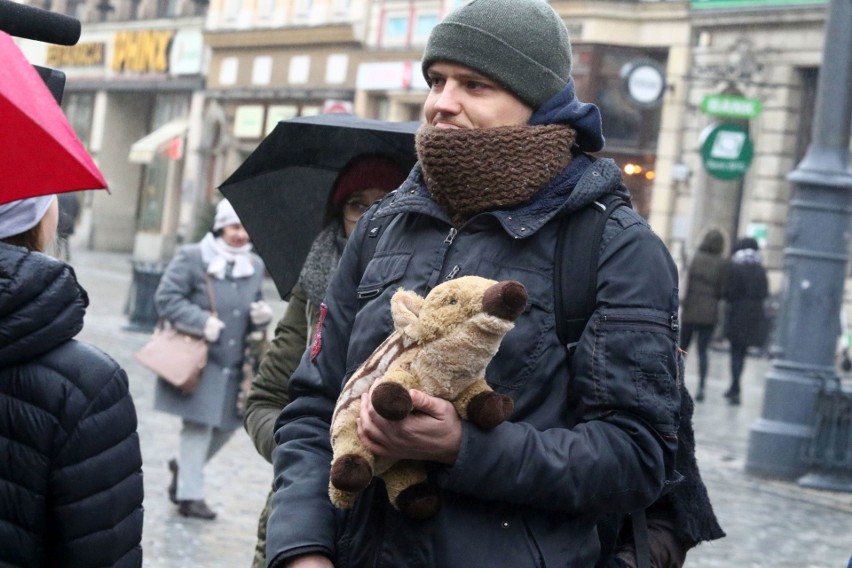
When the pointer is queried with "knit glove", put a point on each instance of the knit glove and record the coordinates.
(212, 328)
(261, 313)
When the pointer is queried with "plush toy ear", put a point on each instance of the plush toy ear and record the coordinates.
(405, 311)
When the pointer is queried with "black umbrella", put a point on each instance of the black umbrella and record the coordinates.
(282, 189)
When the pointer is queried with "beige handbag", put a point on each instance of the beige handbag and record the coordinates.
(176, 357)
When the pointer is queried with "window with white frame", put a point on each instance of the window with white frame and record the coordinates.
(265, 10)
(396, 30)
(261, 70)
(303, 7)
(423, 26)
(232, 9)
(228, 71)
(336, 67)
(300, 66)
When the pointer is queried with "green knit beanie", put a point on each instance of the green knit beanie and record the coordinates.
(521, 44)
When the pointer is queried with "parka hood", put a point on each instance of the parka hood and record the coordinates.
(41, 304)
(565, 108)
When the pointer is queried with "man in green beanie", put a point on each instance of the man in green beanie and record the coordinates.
(503, 159)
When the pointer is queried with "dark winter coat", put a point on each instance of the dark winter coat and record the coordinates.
(746, 290)
(70, 474)
(590, 435)
(269, 389)
(182, 299)
(705, 283)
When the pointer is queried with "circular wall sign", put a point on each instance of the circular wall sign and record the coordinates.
(645, 82)
(726, 151)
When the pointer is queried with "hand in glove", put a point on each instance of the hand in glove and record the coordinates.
(212, 328)
(261, 313)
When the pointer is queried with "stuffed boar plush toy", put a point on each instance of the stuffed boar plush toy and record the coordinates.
(441, 345)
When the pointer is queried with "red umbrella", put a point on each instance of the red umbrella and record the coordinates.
(39, 152)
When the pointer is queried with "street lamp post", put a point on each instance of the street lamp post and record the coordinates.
(815, 255)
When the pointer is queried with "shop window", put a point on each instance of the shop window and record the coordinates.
(248, 121)
(277, 113)
(380, 106)
(311, 110)
(166, 8)
(167, 107)
(79, 109)
(152, 196)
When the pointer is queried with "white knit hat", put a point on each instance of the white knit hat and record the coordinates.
(225, 215)
(22, 215)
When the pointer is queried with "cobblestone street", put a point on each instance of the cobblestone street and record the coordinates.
(769, 523)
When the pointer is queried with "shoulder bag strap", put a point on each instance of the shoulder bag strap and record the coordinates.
(210, 294)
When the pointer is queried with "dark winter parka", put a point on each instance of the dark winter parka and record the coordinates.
(705, 282)
(592, 435)
(70, 477)
(745, 293)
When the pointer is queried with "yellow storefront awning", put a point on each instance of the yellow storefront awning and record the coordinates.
(143, 150)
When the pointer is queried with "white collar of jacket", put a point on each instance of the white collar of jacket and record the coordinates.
(216, 254)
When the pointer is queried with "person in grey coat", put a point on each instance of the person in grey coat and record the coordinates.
(223, 269)
(705, 285)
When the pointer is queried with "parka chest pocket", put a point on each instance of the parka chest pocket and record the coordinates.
(382, 271)
(519, 357)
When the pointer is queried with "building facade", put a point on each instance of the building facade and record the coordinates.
(171, 95)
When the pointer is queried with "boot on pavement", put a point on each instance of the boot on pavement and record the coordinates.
(173, 467)
(196, 508)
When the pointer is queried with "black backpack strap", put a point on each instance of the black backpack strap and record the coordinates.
(375, 226)
(575, 288)
(640, 539)
(576, 274)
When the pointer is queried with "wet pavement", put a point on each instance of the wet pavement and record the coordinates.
(769, 523)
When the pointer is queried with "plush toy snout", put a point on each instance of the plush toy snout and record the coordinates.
(505, 300)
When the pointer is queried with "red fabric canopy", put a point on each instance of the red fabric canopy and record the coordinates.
(39, 152)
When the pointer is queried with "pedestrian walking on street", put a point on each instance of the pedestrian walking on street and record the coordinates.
(211, 289)
(705, 286)
(69, 212)
(365, 180)
(71, 469)
(502, 160)
(745, 317)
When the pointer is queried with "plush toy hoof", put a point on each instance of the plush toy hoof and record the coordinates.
(488, 409)
(392, 401)
(351, 473)
(419, 502)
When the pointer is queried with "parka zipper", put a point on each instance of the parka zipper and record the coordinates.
(672, 323)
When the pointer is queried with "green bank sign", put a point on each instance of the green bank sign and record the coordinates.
(726, 151)
(727, 4)
(730, 106)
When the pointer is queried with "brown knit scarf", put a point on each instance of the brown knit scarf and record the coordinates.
(473, 170)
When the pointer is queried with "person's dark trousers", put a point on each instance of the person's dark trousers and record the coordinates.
(705, 334)
(738, 355)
